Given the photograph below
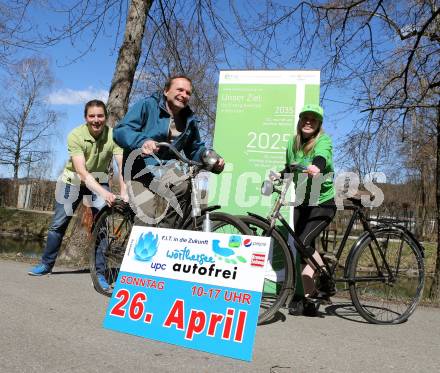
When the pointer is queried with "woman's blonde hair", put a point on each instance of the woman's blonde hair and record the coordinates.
(306, 146)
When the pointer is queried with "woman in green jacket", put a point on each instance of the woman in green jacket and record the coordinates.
(315, 206)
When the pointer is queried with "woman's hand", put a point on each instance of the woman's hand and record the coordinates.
(275, 175)
(312, 170)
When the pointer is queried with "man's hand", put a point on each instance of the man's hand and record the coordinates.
(124, 194)
(218, 166)
(109, 197)
(149, 147)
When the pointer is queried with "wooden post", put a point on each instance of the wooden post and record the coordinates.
(434, 292)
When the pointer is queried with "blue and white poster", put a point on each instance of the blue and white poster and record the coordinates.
(195, 289)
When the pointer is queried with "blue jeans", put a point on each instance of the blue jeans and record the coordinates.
(68, 198)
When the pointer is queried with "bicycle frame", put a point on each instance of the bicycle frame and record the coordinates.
(189, 219)
(114, 223)
(196, 211)
(358, 214)
(275, 215)
(309, 259)
(379, 259)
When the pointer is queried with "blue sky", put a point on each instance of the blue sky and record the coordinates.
(90, 76)
(76, 82)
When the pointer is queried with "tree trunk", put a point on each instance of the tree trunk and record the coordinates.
(434, 292)
(17, 155)
(76, 242)
(16, 167)
(421, 207)
(128, 59)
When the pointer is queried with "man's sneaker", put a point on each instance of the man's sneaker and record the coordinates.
(103, 282)
(40, 270)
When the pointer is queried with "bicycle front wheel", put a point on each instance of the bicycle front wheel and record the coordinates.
(222, 223)
(279, 278)
(110, 237)
(386, 281)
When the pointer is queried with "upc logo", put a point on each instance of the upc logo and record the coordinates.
(146, 247)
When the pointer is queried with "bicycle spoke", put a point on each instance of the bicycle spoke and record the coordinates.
(387, 281)
(111, 236)
(280, 272)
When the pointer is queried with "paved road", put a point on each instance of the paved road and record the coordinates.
(54, 324)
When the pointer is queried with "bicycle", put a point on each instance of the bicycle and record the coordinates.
(113, 225)
(384, 269)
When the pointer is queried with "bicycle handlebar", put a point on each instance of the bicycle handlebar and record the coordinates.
(178, 155)
(295, 167)
(276, 179)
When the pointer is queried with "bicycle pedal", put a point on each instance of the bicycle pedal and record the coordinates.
(321, 298)
(326, 301)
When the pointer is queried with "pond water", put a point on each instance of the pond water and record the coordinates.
(28, 246)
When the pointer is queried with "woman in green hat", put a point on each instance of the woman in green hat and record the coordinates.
(314, 194)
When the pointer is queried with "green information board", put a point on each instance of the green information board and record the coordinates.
(257, 112)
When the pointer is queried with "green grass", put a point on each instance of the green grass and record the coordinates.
(27, 223)
(430, 254)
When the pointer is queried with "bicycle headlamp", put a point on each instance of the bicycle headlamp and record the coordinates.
(210, 158)
(267, 188)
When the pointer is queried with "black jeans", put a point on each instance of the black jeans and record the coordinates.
(310, 221)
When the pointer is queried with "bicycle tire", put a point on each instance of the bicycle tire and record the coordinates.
(221, 223)
(110, 235)
(280, 267)
(380, 301)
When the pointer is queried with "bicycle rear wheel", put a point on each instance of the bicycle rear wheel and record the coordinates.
(279, 279)
(110, 237)
(378, 297)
